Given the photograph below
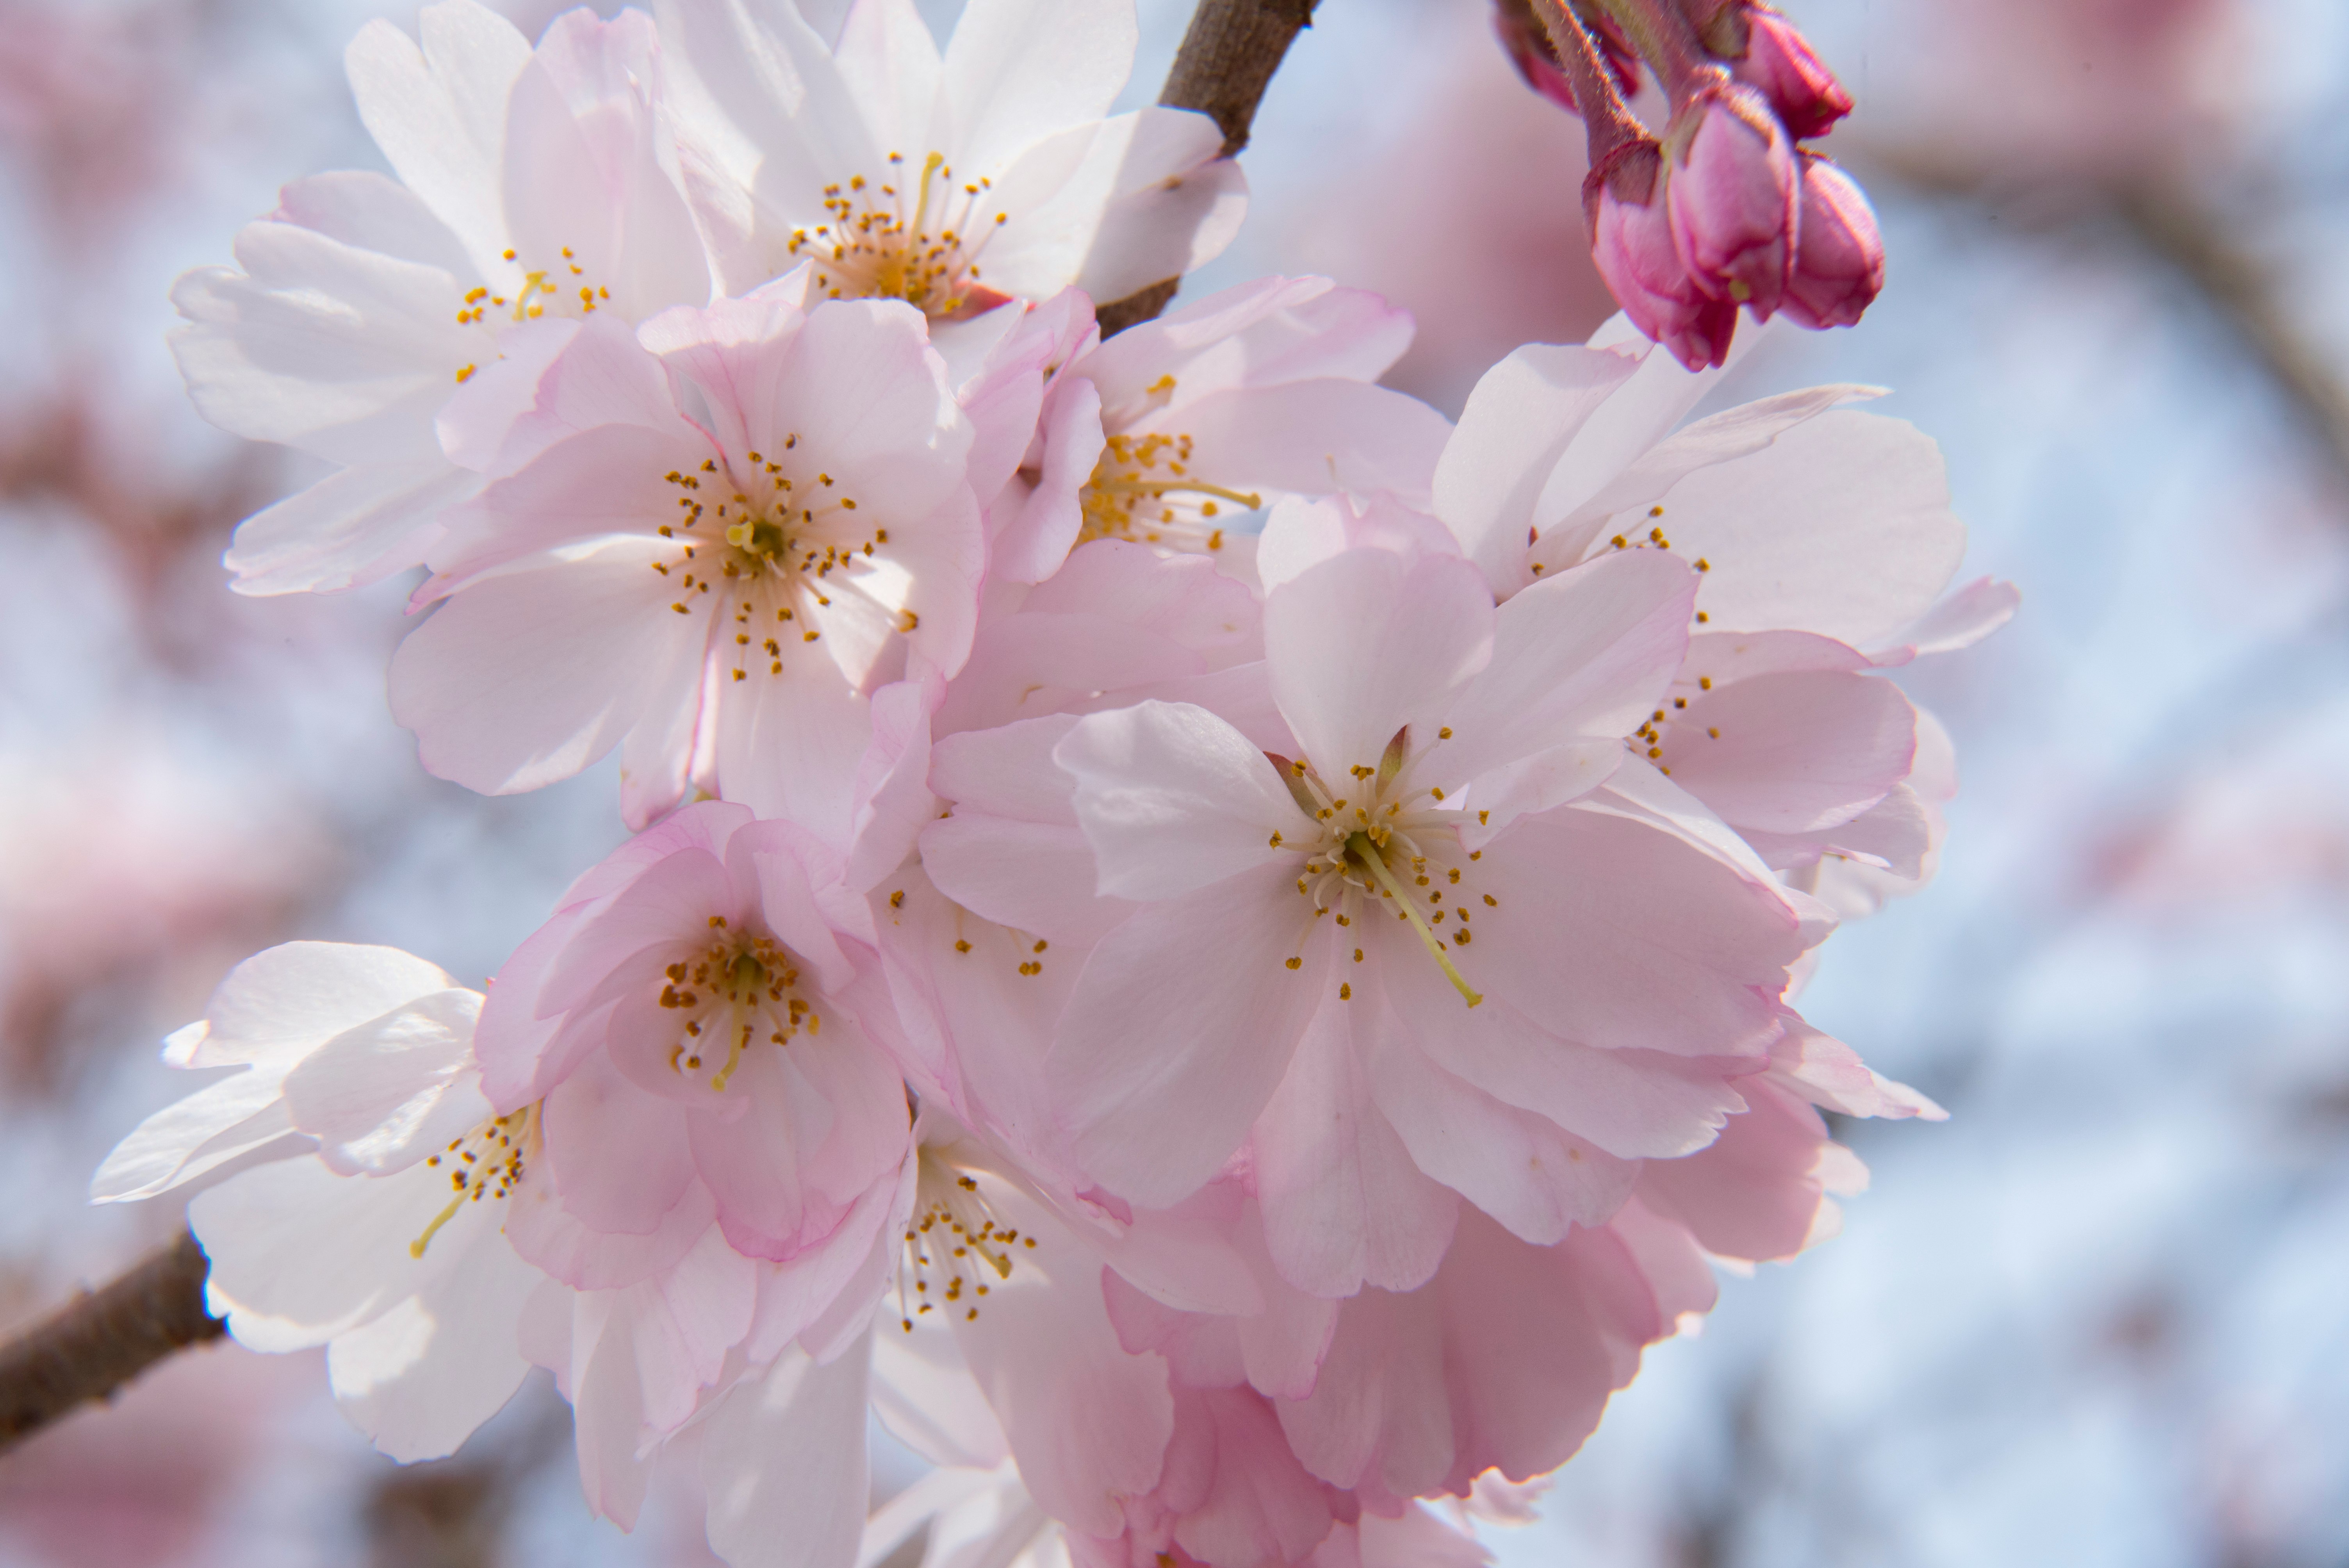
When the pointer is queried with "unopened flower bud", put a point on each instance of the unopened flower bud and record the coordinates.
(1778, 61)
(1839, 263)
(1734, 193)
(1632, 246)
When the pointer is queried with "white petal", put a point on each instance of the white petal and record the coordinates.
(1842, 526)
(300, 1255)
(438, 111)
(1018, 70)
(343, 352)
(190, 1136)
(350, 528)
(419, 1378)
(382, 1095)
(784, 1463)
(286, 1001)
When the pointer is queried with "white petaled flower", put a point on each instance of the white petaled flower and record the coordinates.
(952, 181)
(533, 184)
(373, 1224)
(707, 543)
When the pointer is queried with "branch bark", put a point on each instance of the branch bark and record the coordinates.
(1226, 61)
(104, 1338)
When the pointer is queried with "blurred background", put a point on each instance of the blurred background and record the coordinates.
(2095, 1318)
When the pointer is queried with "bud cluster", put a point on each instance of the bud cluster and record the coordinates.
(1724, 208)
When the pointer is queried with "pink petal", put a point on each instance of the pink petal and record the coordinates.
(1172, 799)
(1181, 1027)
(1344, 1205)
(1362, 644)
(1616, 935)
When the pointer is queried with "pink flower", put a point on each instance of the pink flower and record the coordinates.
(1734, 193)
(1262, 996)
(707, 550)
(532, 185)
(1779, 62)
(693, 1004)
(1840, 265)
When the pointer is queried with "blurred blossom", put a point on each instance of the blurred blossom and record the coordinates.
(1466, 212)
(133, 870)
(2084, 89)
(87, 95)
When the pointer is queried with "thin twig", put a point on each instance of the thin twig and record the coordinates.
(103, 1339)
(1226, 61)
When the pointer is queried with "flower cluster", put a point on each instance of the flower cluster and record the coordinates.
(1218, 950)
(1725, 210)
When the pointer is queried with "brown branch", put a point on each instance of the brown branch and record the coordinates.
(2246, 296)
(1226, 61)
(103, 1339)
(2175, 227)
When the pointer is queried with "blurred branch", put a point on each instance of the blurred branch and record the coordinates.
(103, 1339)
(1226, 61)
(2172, 223)
(2196, 242)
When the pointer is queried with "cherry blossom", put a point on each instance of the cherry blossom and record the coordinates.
(693, 1003)
(1822, 539)
(707, 548)
(533, 185)
(1172, 433)
(368, 1217)
(953, 181)
(1259, 995)
(724, 1146)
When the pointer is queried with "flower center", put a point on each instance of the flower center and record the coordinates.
(740, 988)
(1384, 846)
(486, 1162)
(527, 301)
(952, 1242)
(768, 542)
(1143, 490)
(882, 241)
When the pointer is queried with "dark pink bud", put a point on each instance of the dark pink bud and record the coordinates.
(1734, 193)
(1778, 61)
(1840, 265)
(1632, 243)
